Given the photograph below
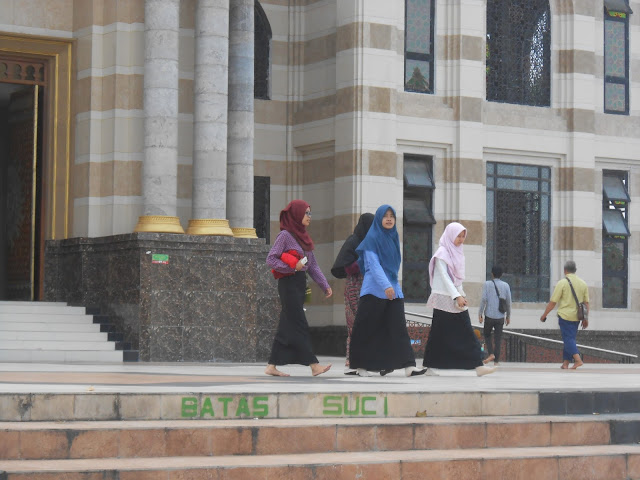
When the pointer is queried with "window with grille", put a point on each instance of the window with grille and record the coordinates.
(615, 239)
(519, 228)
(616, 56)
(262, 51)
(518, 52)
(418, 224)
(418, 46)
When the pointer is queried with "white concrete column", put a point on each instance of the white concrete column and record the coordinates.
(240, 132)
(159, 177)
(210, 118)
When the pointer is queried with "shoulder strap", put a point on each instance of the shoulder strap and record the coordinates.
(496, 287)
(575, 297)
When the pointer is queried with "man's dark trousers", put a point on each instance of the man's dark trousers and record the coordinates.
(489, 325)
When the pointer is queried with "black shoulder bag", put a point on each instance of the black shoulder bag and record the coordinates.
(583, 311)
(502, 302)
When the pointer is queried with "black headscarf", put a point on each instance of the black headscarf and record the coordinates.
(347, 254)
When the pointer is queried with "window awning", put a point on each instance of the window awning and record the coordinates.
(614, 189)
(614, 224)
(417, 212)
(416, 174)
(617, 6)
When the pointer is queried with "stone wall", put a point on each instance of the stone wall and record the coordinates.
(175, 297)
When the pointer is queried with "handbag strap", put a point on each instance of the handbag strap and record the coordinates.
(496, 287)
(575, 297)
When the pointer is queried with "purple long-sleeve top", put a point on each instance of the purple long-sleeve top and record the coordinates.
(285, 242)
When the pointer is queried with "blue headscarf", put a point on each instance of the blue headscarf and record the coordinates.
(384, 243)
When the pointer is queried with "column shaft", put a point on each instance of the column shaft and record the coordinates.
(160, 169)
(210, 109)
(240, 133)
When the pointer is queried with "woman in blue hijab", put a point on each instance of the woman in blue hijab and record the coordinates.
(380, 341)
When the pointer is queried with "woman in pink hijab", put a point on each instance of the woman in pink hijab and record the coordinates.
(452, 344)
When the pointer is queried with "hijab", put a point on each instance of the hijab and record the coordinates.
(347, 254)
(452, 255)
(291, 221)
(383, 242)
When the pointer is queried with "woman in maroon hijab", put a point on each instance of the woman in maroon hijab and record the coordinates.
(290, 258)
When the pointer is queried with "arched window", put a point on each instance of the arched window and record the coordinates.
(519, 52)
(262, 48)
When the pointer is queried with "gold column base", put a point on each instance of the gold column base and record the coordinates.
(243, 232)
(209, 226)
(158, 224)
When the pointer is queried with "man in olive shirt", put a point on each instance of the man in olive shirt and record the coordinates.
(568, 312)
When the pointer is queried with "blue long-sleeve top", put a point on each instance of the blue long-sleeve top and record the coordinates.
(375, 280)
(489, 302)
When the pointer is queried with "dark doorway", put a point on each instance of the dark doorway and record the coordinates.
(20, 191)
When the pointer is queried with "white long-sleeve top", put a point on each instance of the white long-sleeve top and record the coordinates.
(443, 291)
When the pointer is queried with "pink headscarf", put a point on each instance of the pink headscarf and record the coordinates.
(452, 255)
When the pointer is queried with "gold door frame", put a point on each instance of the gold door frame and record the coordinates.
(34, 196)
(57, 132)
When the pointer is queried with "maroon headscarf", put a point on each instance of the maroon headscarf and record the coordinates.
(291, 221)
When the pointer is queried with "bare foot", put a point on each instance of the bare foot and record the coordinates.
(565, 365)
(317, 369)
(577, 364)
(484, 370)
(272, 370)
(488, 359)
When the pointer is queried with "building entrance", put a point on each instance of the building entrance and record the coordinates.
(22, 92)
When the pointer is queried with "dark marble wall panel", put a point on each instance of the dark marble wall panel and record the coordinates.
(264, 342)
(51, 276)
(235, 344)
(165, 307)
(268, 308)
(165, 343)
(199, 344)
(201, 309)
(201, 271)
(95, 278)
(236, 309)
(215, 300)
(234, 274)
(70, 277)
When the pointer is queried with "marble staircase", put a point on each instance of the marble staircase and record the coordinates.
(56, 332)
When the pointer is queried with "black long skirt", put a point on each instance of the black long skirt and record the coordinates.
(292, 343)
(452, 342)
(379, 340)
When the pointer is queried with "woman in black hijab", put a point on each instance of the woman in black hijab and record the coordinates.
(346, 266)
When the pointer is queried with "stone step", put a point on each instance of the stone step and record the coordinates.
(57, 332)
(61, 356)
(58, 336)
(69, 344)
(24, 306)
(129, 439)
(49, 317)
(37, 403)
(44, 326)
(604, 462)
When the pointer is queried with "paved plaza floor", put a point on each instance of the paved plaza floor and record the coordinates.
(250, 378)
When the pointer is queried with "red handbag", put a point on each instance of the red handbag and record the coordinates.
(291, 258)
